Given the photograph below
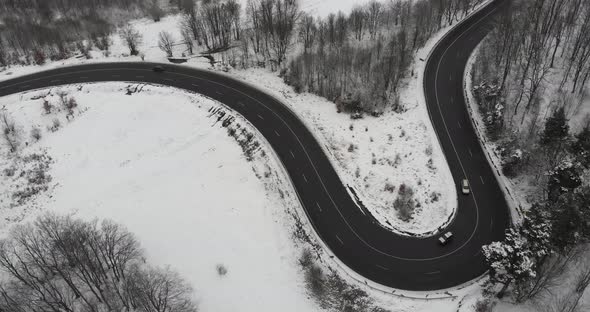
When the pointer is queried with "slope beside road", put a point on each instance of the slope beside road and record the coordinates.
(352, 234)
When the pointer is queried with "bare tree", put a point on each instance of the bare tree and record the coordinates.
(62, 264)
(9, 132)
(166, 42)
(358, 22)
(132, 37)
(155, 10)
(187, 37)
(278, 19)
(307, 30)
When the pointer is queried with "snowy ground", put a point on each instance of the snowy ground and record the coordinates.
(159, 169)
(515, 193)
(148, 154)
(386, 152)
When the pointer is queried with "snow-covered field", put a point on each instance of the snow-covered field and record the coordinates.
(156, 163)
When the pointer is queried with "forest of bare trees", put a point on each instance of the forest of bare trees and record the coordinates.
(33, 31)
(537, 46)
(358, 60)
(62, 264)
(531, 82)
(532, 68)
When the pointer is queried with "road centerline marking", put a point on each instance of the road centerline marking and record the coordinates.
(292, 155)
(277, 133)
(482, 182)
(381, 267)
(338, 238)
(305, 178)
(317, 204)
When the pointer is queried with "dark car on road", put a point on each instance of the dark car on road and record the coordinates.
(446, 238)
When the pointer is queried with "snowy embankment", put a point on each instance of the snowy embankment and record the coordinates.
(515, 197)
(157, 163)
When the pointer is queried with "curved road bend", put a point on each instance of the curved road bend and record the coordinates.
(352, 234)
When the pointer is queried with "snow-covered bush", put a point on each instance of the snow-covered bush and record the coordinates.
(405, 203)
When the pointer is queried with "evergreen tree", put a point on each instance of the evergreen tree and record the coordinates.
(581, 147)
(564, 178)
(556, 129)
(516, 259)
(570, 218)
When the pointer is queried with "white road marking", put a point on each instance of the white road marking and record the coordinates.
(341, 242)
(168, 79)
(56, 80)
(459, 124)
(305, 178)
(382, 267)
(260, 117)
(482, 182)
(292, 154)
(277, 133)
(320, 208)
(433, 272)
(218, 92)
(22, 87)
(196, 85)
(240, 103)
(470, 153)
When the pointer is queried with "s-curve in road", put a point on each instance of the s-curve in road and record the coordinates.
(354, 236)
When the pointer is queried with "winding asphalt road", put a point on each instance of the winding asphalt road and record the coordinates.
(352, 234)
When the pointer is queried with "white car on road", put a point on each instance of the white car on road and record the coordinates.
(465, 187)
